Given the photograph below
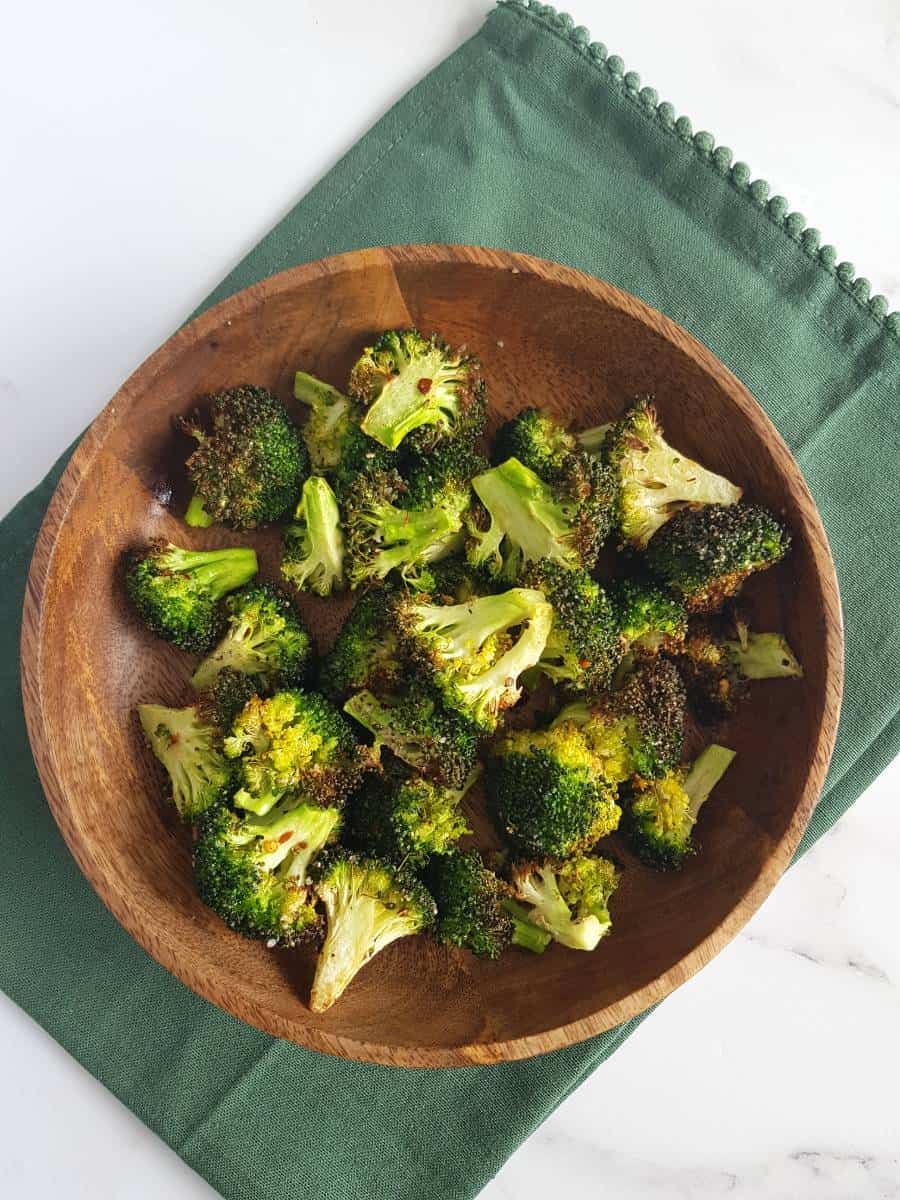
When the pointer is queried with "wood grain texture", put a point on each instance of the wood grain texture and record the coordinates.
(547, 335)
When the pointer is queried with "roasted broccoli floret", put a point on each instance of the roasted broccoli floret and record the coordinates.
(638, 730)
(220, 702)
(366, 651)
(650, 619)
(252, 871)
(249, 465)
(583, 649)
(177, 592)
(521, 520)
(415, 726)
(293, 741)
(264, 638)
(419, 389)
(469, 651)
(331, 422)
(717, 670)
(660, 814)
(570, 899)
(475, 910)
(313, 558)
(655, 480)
(406, 818)
(547, 793)
(369, 903)
(189, 746)
(539, 442)
(705, 554)
(404, 525)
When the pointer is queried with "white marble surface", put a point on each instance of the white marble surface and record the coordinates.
(137, 172)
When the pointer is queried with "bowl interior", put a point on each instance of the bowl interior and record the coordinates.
(546, 336)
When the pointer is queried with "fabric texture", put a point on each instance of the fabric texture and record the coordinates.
(529, 138)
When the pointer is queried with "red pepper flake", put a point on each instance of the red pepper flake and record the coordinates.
(584, 663)
(285, 837)
(424, 386)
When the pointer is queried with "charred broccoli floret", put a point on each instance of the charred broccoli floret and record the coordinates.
(717, 670)
(650, 619)
(415, 726)
(249, 465)
(293, 741)
(252, 871)
(570, 899)
(407, 819)
(369, 903)
(264, 638)
(539, 442)
(705, 554)
(366, 651)
(177, 592)
(583, 649)
(189, 745)
(520, 520)
(419, 389)
(660, 814)
(475, 910)
(547, 793)
(313, 559)
(655, 481)
(469, 651)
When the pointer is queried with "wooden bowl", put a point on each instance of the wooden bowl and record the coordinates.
(547, 335)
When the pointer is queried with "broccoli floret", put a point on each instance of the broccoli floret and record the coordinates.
(189, 746)
(546, 791)
(415, 726)
(177, 592)
(220, 702)
(660, 814)
(468, 649)
(655, 480)
(252, 871)
(539, 442)
(454, 581)
(717, 670)
(650, 619)
(521, 520)
(638, 730)
(419, 389)
(705, 554)
(404, 525)
(570, 899)
(264, 638)
(293, 741)
(407, 819)
(369, 903)
(475, 911)
(313, 559)
(583, 649)
(248, 467)
(331, 421)
(366, 652)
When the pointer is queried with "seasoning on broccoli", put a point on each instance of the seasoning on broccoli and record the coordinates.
(717, 670)
(177, 592)
(366, 651)
(313, 559)
(248, 467)
(650, 619)
(189, 746)
(583, 650)
(570, 898)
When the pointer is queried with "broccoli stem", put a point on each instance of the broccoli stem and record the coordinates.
(488, 688)
(523, 508)
(196, 515)
(525, 933)
(591, 440)
(220, 571)
(425, 536)
(708, 769)
(765, 656)
(316, 393)
(359, 927)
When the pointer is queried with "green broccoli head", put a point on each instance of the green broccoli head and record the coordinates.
(705, 554)
(189, 746)
(313, 559)
(438, 743)
(660, 814)
(570, 899)
(369, 903)
(717, 670)
(418, 390)
(248, 467)
(469, 650)
(547, 793)
(650, 619)
(293, 741)
(583, 649)
(264, 638)
(252, 871)
(654, 480)
(177, 592)
(539, 442)
(406, 818)
(366, 652)
(220, 703)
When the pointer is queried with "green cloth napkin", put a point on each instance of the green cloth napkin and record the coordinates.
(529, 137)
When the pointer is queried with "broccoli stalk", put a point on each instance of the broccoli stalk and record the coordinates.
(525, 933)
(189, 747)
(314, 547)
(196, 515)
(593, 440)
(369, 904)
(264, 638)
(569, 899)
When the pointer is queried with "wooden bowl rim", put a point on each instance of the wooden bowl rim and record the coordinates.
(106, 883)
